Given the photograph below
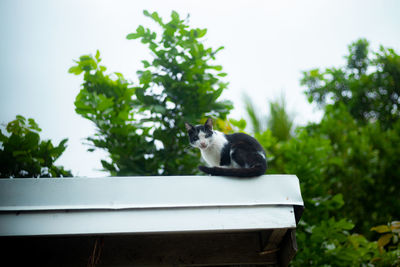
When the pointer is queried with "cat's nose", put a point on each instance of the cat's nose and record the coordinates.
(203, 144)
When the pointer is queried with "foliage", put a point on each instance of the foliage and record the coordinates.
(329, 243)
(142, 126)
(279, 122)
(363, 127)
(254, 116)
(369, 86)
(349, 169)
(390, 235)
(364, 166)
(24, 155)
(323, 238)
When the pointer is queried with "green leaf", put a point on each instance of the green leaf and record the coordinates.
(344, 224)
(146, 77)
(217, 93)
(140, 30)
(33, 125)
(217, 67)
(104, 103)
(241, 124)
(381, 229)
(17, 153)
(201, 32)
(384, 240)
(159, 109)
(154, 16)
(97, 55)
(75, 70)
(87, 63)
(58, 150)
(123, 115)
(63, 142)
(20, 118)
(222, 74)
(32, 140)
(3, 138)
(140, 94)
(219, 49)
(132, 36)
(146, 64)
(175, 16)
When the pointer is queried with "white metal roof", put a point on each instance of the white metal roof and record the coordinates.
(48, 206)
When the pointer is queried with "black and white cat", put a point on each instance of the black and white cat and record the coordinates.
(235, 154)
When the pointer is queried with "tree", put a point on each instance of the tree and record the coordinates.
(348, 164)
(361, 121)
(361, 167)
(364, 166)
(279, 122)
(257, 120)
(24, 155)
(369, 86)
(342, 165)
(142, 126)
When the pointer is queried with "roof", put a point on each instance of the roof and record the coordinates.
(153, 204)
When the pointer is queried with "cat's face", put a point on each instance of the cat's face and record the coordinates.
(200, 136)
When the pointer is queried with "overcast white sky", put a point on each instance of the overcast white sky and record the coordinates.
(268, 44)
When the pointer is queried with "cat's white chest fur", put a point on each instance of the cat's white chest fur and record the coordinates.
(212, 154)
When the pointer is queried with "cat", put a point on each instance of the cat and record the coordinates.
(235, 154)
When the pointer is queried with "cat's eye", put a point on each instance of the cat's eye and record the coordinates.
(208, 135)
(195, 138)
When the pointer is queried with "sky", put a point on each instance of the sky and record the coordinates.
(268, 44)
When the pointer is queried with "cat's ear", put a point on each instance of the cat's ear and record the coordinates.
(188, 126)
(209, 123)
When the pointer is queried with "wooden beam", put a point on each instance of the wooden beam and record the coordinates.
(288, 248)
(271, 240)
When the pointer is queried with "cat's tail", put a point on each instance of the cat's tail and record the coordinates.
(256, 170)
